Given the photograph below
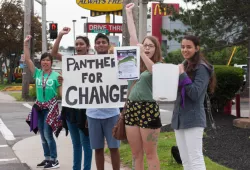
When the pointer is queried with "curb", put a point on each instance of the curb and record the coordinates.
(16, 88)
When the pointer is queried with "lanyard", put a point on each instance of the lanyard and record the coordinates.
(44, 83)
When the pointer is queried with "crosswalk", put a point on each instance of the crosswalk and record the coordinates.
(8, 159)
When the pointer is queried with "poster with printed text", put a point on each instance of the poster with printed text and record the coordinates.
(128, 62)
(90, 81)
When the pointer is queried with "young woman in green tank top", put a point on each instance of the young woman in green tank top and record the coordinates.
(142, 116)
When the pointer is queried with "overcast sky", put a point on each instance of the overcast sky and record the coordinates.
(64, 11)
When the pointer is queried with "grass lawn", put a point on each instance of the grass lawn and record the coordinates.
(166, 141)
(17, 95)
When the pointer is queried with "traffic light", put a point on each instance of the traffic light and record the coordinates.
(53, 30)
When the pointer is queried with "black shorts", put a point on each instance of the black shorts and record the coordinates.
(143, 114)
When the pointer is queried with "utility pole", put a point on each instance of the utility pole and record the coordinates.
(125, 34)
(74, 37)
(28, 9)
(44, 28)
(143, 9)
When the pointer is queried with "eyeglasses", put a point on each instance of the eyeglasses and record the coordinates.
(148, 45)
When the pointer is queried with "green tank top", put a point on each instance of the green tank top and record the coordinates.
(142, 90)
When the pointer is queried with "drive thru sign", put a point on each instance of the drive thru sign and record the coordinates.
(106, 27)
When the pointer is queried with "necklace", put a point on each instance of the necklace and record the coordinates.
(44, 83)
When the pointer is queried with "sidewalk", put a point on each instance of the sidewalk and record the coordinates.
(6, 98)
(30, 151)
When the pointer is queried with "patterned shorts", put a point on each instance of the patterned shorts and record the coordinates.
(143, 114)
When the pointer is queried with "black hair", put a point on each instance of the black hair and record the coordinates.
(85, 39)
(103, 36)
(196, 60)
(46, 54)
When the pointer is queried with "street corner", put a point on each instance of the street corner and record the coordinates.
(4, 97)
(30, 151)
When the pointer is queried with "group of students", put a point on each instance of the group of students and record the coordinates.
(89, 128)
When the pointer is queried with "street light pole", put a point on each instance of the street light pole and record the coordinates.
(142, 19)
(86, 28)
(44, 35)
(27, 31)
(74, 33)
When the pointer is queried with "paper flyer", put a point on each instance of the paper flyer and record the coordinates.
(128, 62)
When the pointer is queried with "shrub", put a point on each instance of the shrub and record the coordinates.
(19, 80)
(229, 81)
(174, 57)
(32, 92)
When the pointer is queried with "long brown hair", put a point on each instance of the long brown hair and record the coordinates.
(157, 57)
(195, 60)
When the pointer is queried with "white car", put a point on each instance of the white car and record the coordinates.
(57, 69)
(244, 67)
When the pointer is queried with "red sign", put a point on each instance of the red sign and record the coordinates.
(108, 27)
(157, 14)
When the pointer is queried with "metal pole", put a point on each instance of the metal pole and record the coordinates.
(87, 26)
(248, 64)
(74, 34)
(142, 19)
(44, 35)
(27, 31)
(114, 22)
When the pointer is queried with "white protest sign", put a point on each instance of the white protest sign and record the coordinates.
(90, 81)
(165, 82)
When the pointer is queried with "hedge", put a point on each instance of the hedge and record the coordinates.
(229, 81)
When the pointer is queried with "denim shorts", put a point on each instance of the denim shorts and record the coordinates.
(100, 129)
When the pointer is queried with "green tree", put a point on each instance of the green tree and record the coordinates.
(11, 28)
(221, 57)
(218, 23)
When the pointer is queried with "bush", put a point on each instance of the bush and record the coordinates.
(174, 57)
(19, 80)
(229, 81)
(32, 92)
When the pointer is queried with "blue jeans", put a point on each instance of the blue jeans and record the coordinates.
(80, 141)
(48, 141)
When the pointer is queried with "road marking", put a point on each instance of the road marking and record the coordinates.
(5, 160)
(27, 105)
(7, 134)
(162, 110)
(2, 146)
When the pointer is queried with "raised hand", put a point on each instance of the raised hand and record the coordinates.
(181, 68)
(142, 50)
(129, 7)
(60, 79)
(65, 30)
(27, 39)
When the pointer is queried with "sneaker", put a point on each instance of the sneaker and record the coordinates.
(42, 164)
(52, 165)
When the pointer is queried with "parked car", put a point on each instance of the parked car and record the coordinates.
(244, 67)
(57, 69)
